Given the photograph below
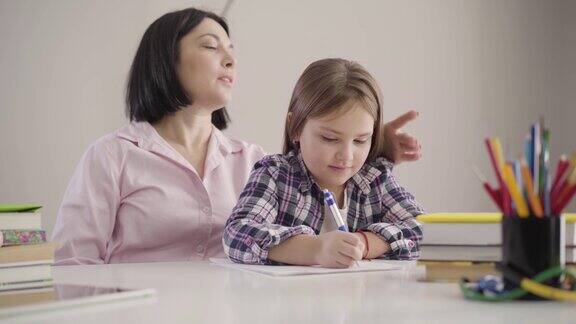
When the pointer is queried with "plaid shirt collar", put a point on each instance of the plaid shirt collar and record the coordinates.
(361, 179)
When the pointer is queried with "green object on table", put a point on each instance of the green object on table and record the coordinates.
(517, 292)
(16, 208)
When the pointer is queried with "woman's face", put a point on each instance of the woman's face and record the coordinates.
(206, 65)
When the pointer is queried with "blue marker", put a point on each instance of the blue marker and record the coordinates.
(329, 199)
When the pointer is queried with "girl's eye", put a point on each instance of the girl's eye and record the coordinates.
(210, 47)
(364, 141)
(328, 139)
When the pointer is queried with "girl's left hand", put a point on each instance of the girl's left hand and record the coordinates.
(399, 146)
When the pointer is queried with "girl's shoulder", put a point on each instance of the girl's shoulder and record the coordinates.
(274, 160)
(378, 170)
(275, 164)
(379, 166)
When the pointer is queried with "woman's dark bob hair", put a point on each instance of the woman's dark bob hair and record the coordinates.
(153, 90)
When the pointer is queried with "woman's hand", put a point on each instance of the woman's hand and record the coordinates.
(398, 146)
(338, 249)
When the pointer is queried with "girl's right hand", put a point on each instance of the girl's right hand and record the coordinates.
(339, 249)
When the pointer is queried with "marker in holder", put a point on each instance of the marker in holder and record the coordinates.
(531, 245)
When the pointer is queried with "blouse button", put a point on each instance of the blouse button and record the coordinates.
(206, 210)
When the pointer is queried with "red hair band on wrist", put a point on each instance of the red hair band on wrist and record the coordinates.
(367, 245)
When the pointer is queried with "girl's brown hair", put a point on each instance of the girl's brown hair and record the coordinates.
(325, 87)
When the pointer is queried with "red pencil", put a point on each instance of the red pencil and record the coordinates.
(560, 178)
(504, 199)
(496, 195)
(493, 161)
(564, 199)
(560, 169)
(566, 193)
(493, 193)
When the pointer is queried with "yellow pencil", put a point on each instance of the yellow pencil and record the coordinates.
(498, 152)
(517, 197)
(532, 197)
(500, 161)
(572, 177)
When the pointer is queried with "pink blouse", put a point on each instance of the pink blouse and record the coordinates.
(133, 198)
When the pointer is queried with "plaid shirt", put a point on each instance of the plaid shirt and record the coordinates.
(281, 200)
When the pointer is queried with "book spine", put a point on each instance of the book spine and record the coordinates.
(21, 237)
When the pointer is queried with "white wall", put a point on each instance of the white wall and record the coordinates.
(565, 119)
(472, 68)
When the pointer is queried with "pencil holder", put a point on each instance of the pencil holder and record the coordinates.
(531, 245)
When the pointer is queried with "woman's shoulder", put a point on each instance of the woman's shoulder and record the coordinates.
(103, 157)
(237, 146)
(115, 142)
(114, 145)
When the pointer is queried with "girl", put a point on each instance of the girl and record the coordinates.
(333, 140)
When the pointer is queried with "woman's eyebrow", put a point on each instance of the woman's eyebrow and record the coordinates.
(209, 34)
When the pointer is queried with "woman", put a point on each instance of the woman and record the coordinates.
(162, 187)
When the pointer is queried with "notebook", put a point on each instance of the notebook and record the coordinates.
(289, 270)
(475, 253)
(27, 253)
(21, 221)
(28, 273)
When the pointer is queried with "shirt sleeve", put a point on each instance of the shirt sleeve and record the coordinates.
(87, 216)
(251, 230)
(399, 227)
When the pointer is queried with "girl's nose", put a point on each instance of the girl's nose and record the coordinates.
(345, 153)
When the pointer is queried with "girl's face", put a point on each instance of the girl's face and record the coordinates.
(206, 66)
(335, 147)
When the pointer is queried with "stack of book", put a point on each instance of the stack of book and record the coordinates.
(570, 238)
(461, 237)
(467, 244)
(453, 271)
(26, 257)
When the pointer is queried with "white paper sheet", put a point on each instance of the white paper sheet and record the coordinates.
(274, 270)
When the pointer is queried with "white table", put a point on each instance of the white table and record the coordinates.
(198, 292)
